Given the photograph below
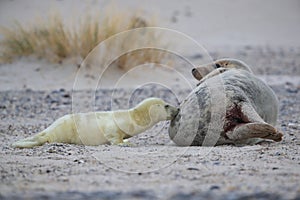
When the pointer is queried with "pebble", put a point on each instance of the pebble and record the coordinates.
(66, 95)
(79, 161)
(192, 169)
(277, 154)
(2, 107)
(292, 90)
(216, 163)
(52, 151)
(214, 187)
(293, 125)
(63, 179)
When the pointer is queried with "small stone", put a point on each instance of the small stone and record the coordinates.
(52, 101)
(66, 95)
(67, 103)
(277, 153)
(52, 151)
(2, 107)
(293, 125)
(79, 161)
(192, 169)
(214, 187)
(292, 89)
(216, 163)
(63, 179)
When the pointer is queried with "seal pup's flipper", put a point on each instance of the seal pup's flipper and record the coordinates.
(246, 123)
(33, 141)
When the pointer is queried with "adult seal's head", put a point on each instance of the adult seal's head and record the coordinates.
(219, 66)
(230, 105)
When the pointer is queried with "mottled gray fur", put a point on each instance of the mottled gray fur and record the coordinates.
(244, 109)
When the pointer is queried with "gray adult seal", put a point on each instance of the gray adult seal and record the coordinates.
(230, 105)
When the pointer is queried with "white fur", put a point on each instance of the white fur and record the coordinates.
(96, 128)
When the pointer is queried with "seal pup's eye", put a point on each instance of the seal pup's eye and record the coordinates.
(167, 106)
(218, 65)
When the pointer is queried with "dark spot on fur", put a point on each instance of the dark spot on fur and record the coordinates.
(203, 120)
(234, 117)
(218, 65)
(175, 123)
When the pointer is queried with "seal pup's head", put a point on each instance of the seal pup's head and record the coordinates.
(152, 110)
(225, 63)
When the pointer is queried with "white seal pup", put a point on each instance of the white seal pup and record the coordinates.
(230, 105)
(96, 128)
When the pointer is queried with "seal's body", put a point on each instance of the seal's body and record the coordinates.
(98, 128)
(230, 105)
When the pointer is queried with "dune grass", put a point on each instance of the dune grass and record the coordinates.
(55, 41)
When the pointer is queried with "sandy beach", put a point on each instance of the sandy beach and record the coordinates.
(34, 92)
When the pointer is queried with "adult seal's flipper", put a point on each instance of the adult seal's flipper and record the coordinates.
(251, 125)
(255, 130)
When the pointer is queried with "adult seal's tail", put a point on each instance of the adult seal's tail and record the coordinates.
(230, 105)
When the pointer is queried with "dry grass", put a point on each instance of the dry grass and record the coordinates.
(55, 41)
